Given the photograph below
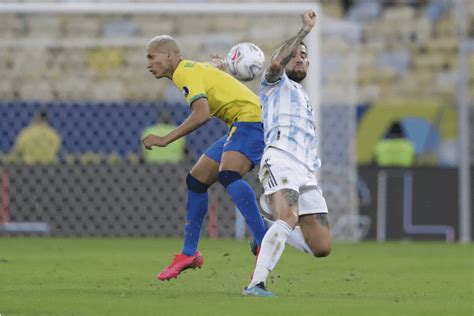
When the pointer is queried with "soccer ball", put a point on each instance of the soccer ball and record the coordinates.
(245, 61)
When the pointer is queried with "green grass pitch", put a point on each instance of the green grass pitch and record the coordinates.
(49, 276)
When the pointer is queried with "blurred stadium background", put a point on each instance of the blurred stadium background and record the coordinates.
(380, 61)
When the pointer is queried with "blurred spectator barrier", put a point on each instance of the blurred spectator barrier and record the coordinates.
(101, 128)
(106, 200)
(412, 203)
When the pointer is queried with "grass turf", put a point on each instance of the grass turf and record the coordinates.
(117, 277)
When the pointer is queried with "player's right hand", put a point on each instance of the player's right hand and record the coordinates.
(309, 19)
(153, 140)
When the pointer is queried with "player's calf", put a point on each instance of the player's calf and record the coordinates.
(315, 228)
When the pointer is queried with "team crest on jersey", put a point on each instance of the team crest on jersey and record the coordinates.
(185, 91)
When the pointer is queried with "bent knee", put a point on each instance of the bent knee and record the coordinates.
(227, 177)
(321, 253)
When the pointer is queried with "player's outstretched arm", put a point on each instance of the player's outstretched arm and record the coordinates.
(218, 61)
(282, 55)
(200, 115)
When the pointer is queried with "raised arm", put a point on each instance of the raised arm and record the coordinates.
(218, 61)
(199, 116)
(282, 55)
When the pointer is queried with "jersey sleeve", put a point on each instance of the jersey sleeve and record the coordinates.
(190, 82)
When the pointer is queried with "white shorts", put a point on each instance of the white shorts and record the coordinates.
(280, 170)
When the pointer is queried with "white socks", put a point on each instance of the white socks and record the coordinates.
(271, 249)
(295, 239)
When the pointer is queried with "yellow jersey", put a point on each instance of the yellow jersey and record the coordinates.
(38, 144)
(229, 99)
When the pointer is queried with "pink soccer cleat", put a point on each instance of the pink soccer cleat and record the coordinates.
(180, 263)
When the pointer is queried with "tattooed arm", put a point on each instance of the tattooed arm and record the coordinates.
(282, 55)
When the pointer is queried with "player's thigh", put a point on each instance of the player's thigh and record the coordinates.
(243, 147)
(316, 232)
(313, 220)
(206, 170)
(284, 205)
(235, 161)
(278, 174)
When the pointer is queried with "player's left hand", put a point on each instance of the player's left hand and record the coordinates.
(218, 61)
(151, 140)
(309, 19)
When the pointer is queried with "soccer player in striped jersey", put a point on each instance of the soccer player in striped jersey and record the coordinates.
(287, 171)
(210, 92)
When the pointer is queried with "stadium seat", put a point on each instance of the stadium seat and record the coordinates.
(398, 60)
(363, 11)
(39, 90)
(92, 47)
(8, 89)
(44, 26)
(104, 61)
(120, 28)
(82, 26)
(11, 26)
(110, 90)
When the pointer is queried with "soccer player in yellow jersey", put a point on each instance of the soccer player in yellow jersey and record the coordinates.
(210, 92)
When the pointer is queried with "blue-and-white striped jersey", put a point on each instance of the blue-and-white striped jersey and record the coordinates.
(288, 120)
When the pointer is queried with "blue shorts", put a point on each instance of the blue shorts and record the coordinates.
(244, 137)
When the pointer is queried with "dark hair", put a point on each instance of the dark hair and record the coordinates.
(43, 115)
(395, 131)
(40, 115)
